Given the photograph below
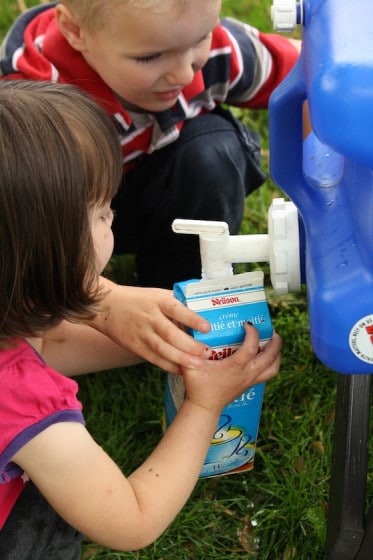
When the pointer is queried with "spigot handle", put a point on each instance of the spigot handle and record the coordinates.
(200, 227)
(213, 240)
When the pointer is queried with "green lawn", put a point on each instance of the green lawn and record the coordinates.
(277, 511)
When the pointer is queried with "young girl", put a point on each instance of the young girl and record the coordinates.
(60, 165)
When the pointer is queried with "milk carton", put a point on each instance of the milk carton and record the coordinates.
(227, 303)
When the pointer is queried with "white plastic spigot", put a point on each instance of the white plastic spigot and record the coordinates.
(284, 257)
(286, 14)
(213, 242)
(280, 247)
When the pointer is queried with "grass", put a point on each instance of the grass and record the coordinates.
(277, 511)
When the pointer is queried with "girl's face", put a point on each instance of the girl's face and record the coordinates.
(103, 239)
(148, 55)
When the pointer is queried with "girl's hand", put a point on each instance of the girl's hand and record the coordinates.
(145, 321)
(218, 383)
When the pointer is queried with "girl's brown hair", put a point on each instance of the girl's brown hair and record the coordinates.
(59, 157)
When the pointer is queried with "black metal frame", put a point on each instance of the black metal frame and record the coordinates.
(349, 529)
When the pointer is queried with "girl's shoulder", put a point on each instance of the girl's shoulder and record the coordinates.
(30, 389)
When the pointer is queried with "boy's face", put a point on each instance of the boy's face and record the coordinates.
(147, 55)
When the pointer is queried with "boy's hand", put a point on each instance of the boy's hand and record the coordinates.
(143, 320)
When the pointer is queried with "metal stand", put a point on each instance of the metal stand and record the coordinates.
(349, 534)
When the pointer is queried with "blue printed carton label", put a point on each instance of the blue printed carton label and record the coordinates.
(227, 304)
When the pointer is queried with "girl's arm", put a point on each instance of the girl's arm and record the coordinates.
(144, 321)
(87, 489)
(75, 349)
(135, 322)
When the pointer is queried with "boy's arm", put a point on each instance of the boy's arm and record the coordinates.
(258, 62)
(284, 54)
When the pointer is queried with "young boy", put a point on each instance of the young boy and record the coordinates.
(162, 69)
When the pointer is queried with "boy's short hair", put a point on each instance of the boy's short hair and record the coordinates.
(94, 13)
(59, 156)
(91, 13)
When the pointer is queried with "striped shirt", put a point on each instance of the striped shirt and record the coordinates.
(243, 68)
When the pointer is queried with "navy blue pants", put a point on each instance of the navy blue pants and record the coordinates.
(206, 174)
(34, 531)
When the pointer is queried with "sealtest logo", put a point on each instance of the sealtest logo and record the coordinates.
(225, 300)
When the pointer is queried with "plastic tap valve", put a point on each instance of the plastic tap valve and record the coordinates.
(280, 247)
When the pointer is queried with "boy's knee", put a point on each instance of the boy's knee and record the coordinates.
(220, 151)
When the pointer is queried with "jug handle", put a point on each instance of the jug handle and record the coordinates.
(286, 133)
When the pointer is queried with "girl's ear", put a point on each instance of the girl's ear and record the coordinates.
(70, 28)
